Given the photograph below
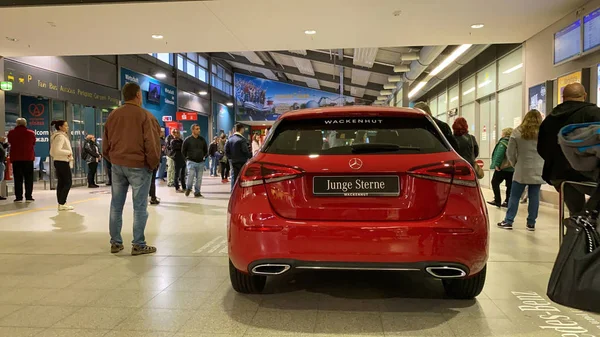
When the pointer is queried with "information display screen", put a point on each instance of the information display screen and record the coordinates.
(567, 42)
(591, 30)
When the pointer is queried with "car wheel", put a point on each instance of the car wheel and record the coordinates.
(467, 288)
(246, 283)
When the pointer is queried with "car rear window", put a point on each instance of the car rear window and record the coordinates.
(368, 135)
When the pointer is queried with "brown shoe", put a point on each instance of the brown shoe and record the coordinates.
(116, 247)
(141, 250)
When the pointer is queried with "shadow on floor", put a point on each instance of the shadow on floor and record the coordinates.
(68, 222)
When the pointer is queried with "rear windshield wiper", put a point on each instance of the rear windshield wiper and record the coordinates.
(374, 148)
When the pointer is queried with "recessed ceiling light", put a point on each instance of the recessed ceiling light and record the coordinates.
(203, 93)
(229, 104)
(397, 13)
(12, 39)
(157, 36)
(310, 32)
(160, 75)
(477, 26)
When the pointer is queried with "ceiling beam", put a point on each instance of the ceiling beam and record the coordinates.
(346, 62)
(366, 97)
(294, 71)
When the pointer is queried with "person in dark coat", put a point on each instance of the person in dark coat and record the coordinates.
(573, 110)
(22, 155)
(467, 144)
(92, 157)
(3, 147)
(444, 127)
(175, 146)
(237, 151)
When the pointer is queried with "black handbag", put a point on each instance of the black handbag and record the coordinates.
(575, 278)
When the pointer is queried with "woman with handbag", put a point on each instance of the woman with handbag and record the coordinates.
(503, 170)
(523, 156)
(467, 144)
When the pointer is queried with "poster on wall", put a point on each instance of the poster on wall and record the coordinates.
(265, 100)
(566, 80)
(537, 98)
(598, 95)
(37, 113)
(159, 98)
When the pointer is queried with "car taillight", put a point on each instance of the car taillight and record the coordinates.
(457, 172)
(259, 173)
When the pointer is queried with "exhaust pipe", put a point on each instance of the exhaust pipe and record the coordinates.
(270, 269)
(446, 272)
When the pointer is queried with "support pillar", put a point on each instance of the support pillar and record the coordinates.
(3, 191)
(405, 90)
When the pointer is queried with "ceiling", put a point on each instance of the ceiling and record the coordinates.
(234, 25)
(365, 70)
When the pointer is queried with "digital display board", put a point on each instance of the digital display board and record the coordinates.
(591, 30)
(567, 42)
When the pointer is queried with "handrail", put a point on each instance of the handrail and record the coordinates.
(561, 205)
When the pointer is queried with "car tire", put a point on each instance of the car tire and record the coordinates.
(245, 283)
(467, 288)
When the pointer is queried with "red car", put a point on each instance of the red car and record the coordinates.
(358, 188)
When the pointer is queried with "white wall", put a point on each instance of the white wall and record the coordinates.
(539, 65)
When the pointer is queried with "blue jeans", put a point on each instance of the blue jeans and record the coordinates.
(214, 165)
(162, 167)
(533, 193)
(195, 170)
(139, 179)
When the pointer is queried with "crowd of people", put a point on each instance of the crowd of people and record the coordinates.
(526, 157)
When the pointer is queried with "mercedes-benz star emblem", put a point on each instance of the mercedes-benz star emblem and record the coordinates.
(355, 163)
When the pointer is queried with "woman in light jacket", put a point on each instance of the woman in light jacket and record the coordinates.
(522, 154)
(62, 154)
(255, 144)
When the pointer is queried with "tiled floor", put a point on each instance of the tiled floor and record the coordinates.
(57, 279)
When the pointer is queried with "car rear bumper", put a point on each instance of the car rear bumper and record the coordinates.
(413, 246)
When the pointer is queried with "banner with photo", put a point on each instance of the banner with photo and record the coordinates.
(537, 98)
(265, 100)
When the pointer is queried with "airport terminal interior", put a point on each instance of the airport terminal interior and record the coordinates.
(355, 210)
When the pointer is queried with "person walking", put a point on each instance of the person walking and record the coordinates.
(237, 152)
(523, 156)
(62, 155)
(573, 110)
(195, 150)
(446, 131)
(3, 147)
(92, 156)
(170, 162)
(223, 161)
(503, 170)
(176, 145)
(132, 144)
(212, 153)
(163, 155)
(22, 155)
(467, 144)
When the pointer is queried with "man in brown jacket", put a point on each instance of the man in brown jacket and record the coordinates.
(132, 144)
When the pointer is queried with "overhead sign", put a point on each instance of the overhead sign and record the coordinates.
(6, 86)
(167, 119)
(159, 98)
(187, 116)
(35, 81)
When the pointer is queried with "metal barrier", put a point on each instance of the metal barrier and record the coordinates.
(561, 205)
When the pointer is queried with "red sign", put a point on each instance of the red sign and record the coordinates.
(187, 116)
(479, 162)
(174, 125)
(36, 110)
(167, 119)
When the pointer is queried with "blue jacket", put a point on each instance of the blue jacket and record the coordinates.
(237, 149)
(580, 143)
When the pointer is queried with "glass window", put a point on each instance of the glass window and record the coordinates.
(191, 68)
(486, 81)
(468, 90)
(58, 110)
(510, 108)
(468, 113)
(192, 56)
(453, 95)
(510, 69)
(180, 64)
(395, 136)
(442, 103)
(202, 61)
(433, 106)
(165, 57)
(399, 98)
(13, 110)
(202, 74)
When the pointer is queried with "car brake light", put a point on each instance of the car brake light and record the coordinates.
(457, 172)
(259, 173)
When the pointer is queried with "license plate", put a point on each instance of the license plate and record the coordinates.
(356, 186)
